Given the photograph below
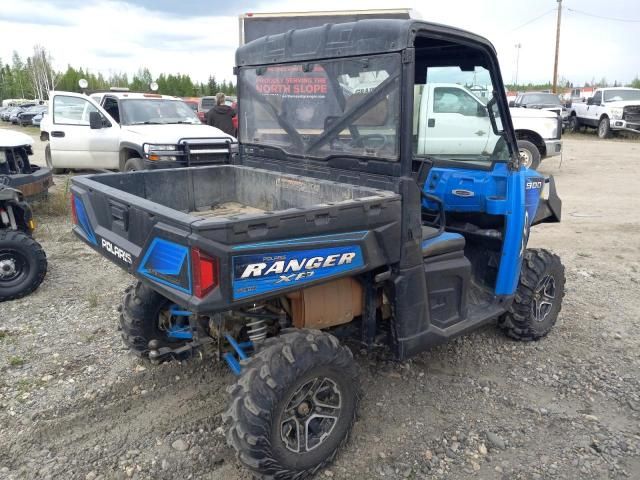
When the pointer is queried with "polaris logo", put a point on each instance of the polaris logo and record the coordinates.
(296, 269)
(534, 184)
(116, 251)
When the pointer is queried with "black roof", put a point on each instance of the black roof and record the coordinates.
(364, 37)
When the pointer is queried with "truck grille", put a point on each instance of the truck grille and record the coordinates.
(631, 114)
(206, 151)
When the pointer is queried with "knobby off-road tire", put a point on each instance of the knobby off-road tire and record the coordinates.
(529, 154)
(265, 397)
(538, 298)
(23, 265)
(140, 313)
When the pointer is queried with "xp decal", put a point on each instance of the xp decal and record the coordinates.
(267, 272)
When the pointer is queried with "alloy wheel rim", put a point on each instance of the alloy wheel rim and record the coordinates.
(543, 298)
(13, 266)
(311, 414)
(525, 157)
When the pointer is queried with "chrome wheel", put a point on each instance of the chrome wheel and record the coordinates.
(311, 414)
(526, 158)
(544, 295)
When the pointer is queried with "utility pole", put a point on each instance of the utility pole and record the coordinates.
(518, 46)
(555, 63)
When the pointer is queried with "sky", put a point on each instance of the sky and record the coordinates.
(199, 37)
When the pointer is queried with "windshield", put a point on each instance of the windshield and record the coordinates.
(160, 111)
(621, 95)
(347, 107)
(540, 99)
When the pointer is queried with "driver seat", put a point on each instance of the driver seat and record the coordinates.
(435, 243)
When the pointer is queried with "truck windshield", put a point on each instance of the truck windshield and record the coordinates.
(346, 107)
(621, 95)
(540, 99)
(156, 111)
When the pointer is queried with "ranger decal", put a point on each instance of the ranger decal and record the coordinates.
(261, 273)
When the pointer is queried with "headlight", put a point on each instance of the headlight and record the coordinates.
(616, 113)
(551, 126)
(150, 147)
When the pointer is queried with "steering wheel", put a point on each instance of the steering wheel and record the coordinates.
(375, 137)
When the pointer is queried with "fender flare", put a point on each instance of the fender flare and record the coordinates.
(128, 146)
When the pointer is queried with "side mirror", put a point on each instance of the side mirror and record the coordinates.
(512, 103)
(590, 101)
(95, 120)
(482, 111)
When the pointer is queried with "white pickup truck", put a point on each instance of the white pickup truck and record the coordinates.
(449, 111)
(610, 110)
(121, 130)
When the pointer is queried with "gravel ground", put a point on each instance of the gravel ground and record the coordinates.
(75, 405)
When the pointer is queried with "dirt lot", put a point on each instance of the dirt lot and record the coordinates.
(75, 405)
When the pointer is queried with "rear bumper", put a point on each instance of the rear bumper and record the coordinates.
(553, 147)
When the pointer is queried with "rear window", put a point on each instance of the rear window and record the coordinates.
(208, 103)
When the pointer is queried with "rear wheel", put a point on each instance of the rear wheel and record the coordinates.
(145, 316)
(538, 298)
(134, 164)
(23, 265)
(47, 157)
(294, 405)
(604, 128)
(529, 154)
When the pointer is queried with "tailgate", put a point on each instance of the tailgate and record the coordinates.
(119, 224)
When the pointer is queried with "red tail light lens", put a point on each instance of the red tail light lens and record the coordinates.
(205, 272)
(74, 214)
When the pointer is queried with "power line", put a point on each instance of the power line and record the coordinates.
(603, 17)
(534, 19)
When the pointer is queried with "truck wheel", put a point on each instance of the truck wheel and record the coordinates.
(538, 298)
(144, 316)
(134, 164)
(47, 157)
(574, 124)
(23, 265)
(294, 405)
(529, 154)
(604, 128)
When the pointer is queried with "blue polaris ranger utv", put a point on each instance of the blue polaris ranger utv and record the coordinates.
(347, 215)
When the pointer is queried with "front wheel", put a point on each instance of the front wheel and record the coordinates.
(23, 265)
(529, 154)
(604, 128)
(134, 164)
(538, 297)
(294, 405)
(574, 124)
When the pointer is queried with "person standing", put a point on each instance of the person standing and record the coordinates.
(221, 116)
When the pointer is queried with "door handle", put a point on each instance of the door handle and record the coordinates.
(57, 133)
(431, 122)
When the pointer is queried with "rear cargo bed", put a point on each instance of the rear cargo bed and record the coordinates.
(226, 191)
(147, 222)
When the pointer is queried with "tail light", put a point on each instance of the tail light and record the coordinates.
(74, 213)
(205, 272)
